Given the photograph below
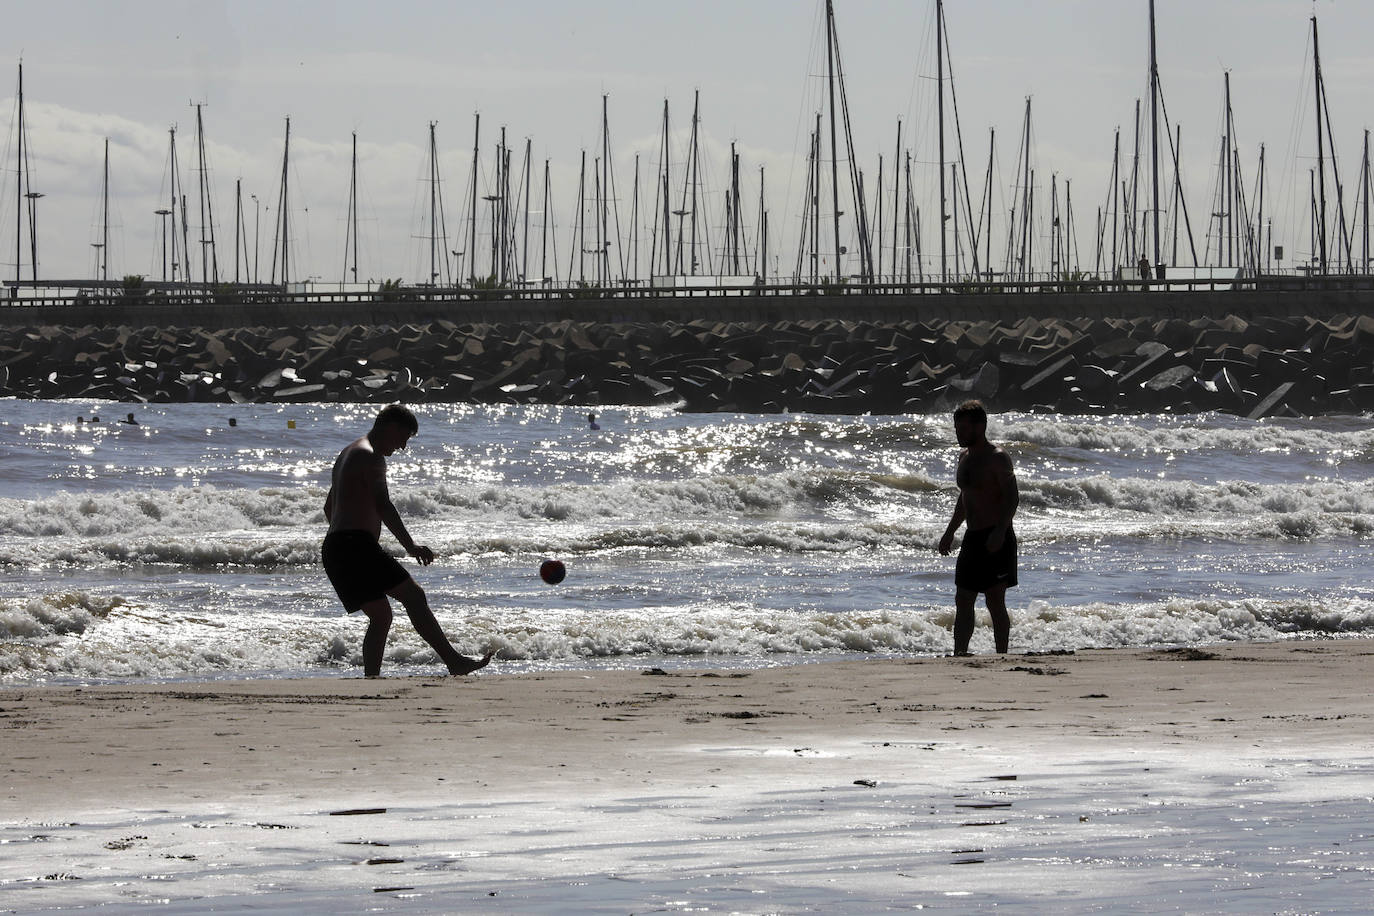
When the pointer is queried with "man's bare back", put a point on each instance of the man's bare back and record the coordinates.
(986, 482)
(352, 502)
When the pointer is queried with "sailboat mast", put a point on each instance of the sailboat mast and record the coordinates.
(1178, 192)
(1025, 198)
(544, 230)
(1364, 169)
(596, 218)
(834, 153)
(353, 204)
(173, 182)
(881, 210)
(1182, 201)
(695, 173)
(954, 213)
(105, 217)
(283, 214)
(471, 247)
(1069, 237)
(1154, 131)
(351, 229)
(1229, 181)
(1054, 225)
(1135, 227)
(896, 195)
(667, 205)
(582, 221)
(1116, 201)
(907, 222)
(503, 208)
(238, 223)
(761, 256)
(604, 255)
(940, 117)
(19, 182)
(1321, 161)
(734, 210)
(1259, 213)
(987, 185)
(433, 207)
(634, 224)
(816, 202)
(207, 209)
(525, 229)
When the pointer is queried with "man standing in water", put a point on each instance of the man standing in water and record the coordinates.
(987, 501)
(362, 572)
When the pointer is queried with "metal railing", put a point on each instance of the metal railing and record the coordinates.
(46, 294)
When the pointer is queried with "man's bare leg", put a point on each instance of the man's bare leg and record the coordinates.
(963, 619)
(417, 606)
(374, 642)
(1001, 620)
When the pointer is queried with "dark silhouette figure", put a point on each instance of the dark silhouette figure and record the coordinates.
(987, 502)
(362, 573)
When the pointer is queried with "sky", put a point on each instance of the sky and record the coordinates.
(131, 71)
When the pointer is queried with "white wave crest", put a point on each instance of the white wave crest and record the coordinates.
(179, 510)
(1235, 508)
(1194, 434)
(68, 613)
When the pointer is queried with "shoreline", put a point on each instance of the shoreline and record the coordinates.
(171, 725)
(1093, 779)
(650, 665)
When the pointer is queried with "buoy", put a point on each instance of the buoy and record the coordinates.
(290, 424)
(553, 571)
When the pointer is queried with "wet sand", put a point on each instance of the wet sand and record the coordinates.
(840, 785)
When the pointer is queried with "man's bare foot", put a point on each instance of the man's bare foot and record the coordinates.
(469, 665)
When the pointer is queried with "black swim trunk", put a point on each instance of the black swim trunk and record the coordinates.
(978, 570)
(358, 568)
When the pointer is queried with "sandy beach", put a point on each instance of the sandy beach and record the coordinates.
(1235, 778)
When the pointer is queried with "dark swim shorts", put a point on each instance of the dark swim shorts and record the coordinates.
(358, 568)
(977, 570)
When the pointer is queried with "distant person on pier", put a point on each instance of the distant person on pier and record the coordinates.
(987, 502)
(362, 573)
(1144, 269)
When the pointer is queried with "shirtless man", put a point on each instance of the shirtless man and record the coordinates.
(987, 501)
(362, 572)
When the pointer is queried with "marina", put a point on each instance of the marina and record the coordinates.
(672, 223)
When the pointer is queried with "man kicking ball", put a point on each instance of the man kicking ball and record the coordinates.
(359, 569)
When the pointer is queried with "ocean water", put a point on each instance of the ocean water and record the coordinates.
(186, 547)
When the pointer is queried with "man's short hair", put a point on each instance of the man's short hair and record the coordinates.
(973, 411)
(395, 414)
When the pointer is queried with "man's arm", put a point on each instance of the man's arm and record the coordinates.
(329, 505)
(390, 517)
(955, 520)
(1005, 476)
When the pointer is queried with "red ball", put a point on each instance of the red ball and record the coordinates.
(553, 571)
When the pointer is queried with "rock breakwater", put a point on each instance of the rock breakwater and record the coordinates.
(1257, 367)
